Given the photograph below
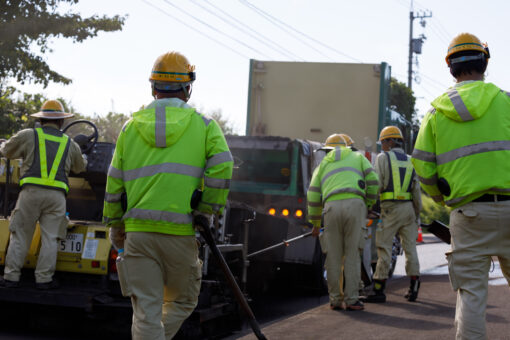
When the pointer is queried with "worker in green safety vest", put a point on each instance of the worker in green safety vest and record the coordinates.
(48, 155)
(341, 189)
(400, 209)
(462, 158)
(164, 154)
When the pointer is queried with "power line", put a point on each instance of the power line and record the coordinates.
(247, 30)
(215, 29)
(440, 25)
(196, 30)
(281, 23)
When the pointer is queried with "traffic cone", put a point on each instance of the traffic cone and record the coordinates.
(420, 235)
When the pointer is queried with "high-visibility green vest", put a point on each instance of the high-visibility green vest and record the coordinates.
(401, 179)
(162, 156)
(463, 147)
(48, 167)
(342, 174)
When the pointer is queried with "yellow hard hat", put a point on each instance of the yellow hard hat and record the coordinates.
(172, 67)
(347, 139)
(334, 141)
(52, 109)
(466, 42)
(390, 132)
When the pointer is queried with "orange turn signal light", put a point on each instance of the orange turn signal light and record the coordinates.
(285, 212)
(272, 211)
(299, 213)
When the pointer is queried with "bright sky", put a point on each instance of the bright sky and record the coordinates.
(111, 71)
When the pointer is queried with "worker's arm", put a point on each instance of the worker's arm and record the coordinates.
(113, 212)
(381, 168)
(217, 172)
(371, 181)
(78, 163)
(416, 192)
(424, 157)
(314, 199)
(15, 146)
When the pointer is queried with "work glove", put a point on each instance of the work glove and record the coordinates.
(117, 236)
(202, 217)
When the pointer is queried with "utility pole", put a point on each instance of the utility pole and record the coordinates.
(415, 44)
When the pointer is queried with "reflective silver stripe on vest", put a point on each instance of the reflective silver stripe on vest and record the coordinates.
(424, 155)
(217, 183)
(460, 199)
(107, 220)
(372, 182)
(367, 171)
(459, 105)
(338, 154)
(372, 196)
(206, 120)
(429, 180)
(160, 127)
(219, 158)
(315, 217)
(335, 171)
(112, 198)
(472, 149)
(171, 168)
(314, 189)
(114, 172)
(455, 200)
(214, 207)
(505, 92)
(432, 110)
(158, 215)
(344, 190)
(314, 204)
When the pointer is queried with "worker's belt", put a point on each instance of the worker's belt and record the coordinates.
(492, 198)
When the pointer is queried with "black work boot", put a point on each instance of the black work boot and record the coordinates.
(414, 287)
(378, 296)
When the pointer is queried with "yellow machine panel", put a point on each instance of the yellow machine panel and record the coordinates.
(86, 248)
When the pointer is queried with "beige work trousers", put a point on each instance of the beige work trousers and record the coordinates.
(479, 231)
(35, 204)
(164, 276)
(343, 224)
(397, 217)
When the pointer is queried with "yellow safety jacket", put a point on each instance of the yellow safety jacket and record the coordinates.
(401, 179)
(48, 168)
(463, 147)
(342, 174)
(163, 154)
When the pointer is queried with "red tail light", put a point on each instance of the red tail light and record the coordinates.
(112, 264)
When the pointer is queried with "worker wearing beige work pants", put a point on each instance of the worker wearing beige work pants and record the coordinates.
(343, 223)
(35, 204)
(163, 274)
(479, 231)
(396, 217)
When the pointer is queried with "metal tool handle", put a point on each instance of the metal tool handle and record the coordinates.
(203, 227)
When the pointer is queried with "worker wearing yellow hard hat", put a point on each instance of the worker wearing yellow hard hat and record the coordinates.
(461, 158)
(168, 147)
(400, 209)
(341, 188)
(42, 198)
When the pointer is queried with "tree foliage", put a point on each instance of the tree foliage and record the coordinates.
(403, 99)
(15, 109)
(28, 25)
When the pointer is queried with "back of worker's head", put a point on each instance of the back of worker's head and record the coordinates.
(172, 76)
(467, 55)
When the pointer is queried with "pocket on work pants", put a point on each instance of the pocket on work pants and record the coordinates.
(122, 273)
(450, 257)
(195, 280)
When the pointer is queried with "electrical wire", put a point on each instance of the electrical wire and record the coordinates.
(281, 24)
(195, 29)
(216, 30)
(241, 26)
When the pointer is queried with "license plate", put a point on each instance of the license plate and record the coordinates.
(72, 244)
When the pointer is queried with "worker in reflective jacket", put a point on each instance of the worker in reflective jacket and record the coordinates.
(163, 155)
(462, 159)
(342, 187)
(400, 209)
(48, 156)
